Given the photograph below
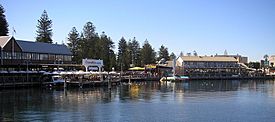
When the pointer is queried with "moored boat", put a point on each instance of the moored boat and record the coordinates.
(174, 78)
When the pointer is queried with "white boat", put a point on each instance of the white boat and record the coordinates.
(56, 80)
(174, 78)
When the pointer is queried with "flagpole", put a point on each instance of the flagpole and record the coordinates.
(13, 32)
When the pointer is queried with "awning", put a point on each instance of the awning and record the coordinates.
(137, 68)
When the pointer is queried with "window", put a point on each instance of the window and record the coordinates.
(44, 57)
(51, 57)
(35, 56)
(17, 55)
(29, 56)
(6, 55)
(24, 55)
(67, 58)
(59, 57)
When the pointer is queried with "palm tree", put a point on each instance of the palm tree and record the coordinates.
(265, 62)
(265, 57)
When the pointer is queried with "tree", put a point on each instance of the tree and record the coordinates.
(163, 53)
(87, 42)
(123, 55)
(106, 53)
(195, 53)
(147, 54)
(181, 54)
(134, 50)
(44, 26)
(90, 40)
(73, 44)
(82, 47)
(172, 56)
(3, 22)
(255, 65)
(265, 62)
(89, 30)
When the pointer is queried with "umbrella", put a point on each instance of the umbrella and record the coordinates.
(137, 68)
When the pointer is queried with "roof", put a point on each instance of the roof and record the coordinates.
(40, 47)
(4, 40)
(209, 58)
(169, 63)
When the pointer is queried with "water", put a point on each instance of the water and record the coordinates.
(198, 101)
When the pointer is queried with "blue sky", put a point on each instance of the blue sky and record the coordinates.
(245, 27)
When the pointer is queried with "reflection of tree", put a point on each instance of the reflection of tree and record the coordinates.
(23, 104)
(134, 91)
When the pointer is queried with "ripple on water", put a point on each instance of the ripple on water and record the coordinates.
(197, 101)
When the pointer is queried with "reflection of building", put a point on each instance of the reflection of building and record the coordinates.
(17, 53)
(208, 66)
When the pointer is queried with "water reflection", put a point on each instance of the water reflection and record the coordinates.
(148, 99)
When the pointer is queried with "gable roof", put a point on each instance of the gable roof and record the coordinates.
(40, 47)
(4, 40)
(209, 59)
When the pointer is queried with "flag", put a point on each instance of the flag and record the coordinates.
(13, 30)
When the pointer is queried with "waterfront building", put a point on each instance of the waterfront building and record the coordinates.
(272, 60)
(239, 58)
(209, 66)
(19, 53)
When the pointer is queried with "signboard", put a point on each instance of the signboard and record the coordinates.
(91, 68)
(92, 64)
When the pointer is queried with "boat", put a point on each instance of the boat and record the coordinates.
(56, 80)
(174, 78)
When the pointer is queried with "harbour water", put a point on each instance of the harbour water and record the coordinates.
(197, 101)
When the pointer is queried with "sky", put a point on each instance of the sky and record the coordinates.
(209, 27)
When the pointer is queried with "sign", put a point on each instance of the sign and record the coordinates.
(90, 68)
(92, 62)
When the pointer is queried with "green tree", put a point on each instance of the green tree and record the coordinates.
(123, 55)
(88, 41)
(73, 44)
(147, 54)
(134, 50)
(44, 29)
(82, 47)
(89, 31)
(255, 65)
(106, 53)
(3, 22)
(172, 56)
(163, 53)
(266, 64)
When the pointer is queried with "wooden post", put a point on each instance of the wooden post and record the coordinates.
(109, 81)
(65, 80)
(129, 79)
(81, 82)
